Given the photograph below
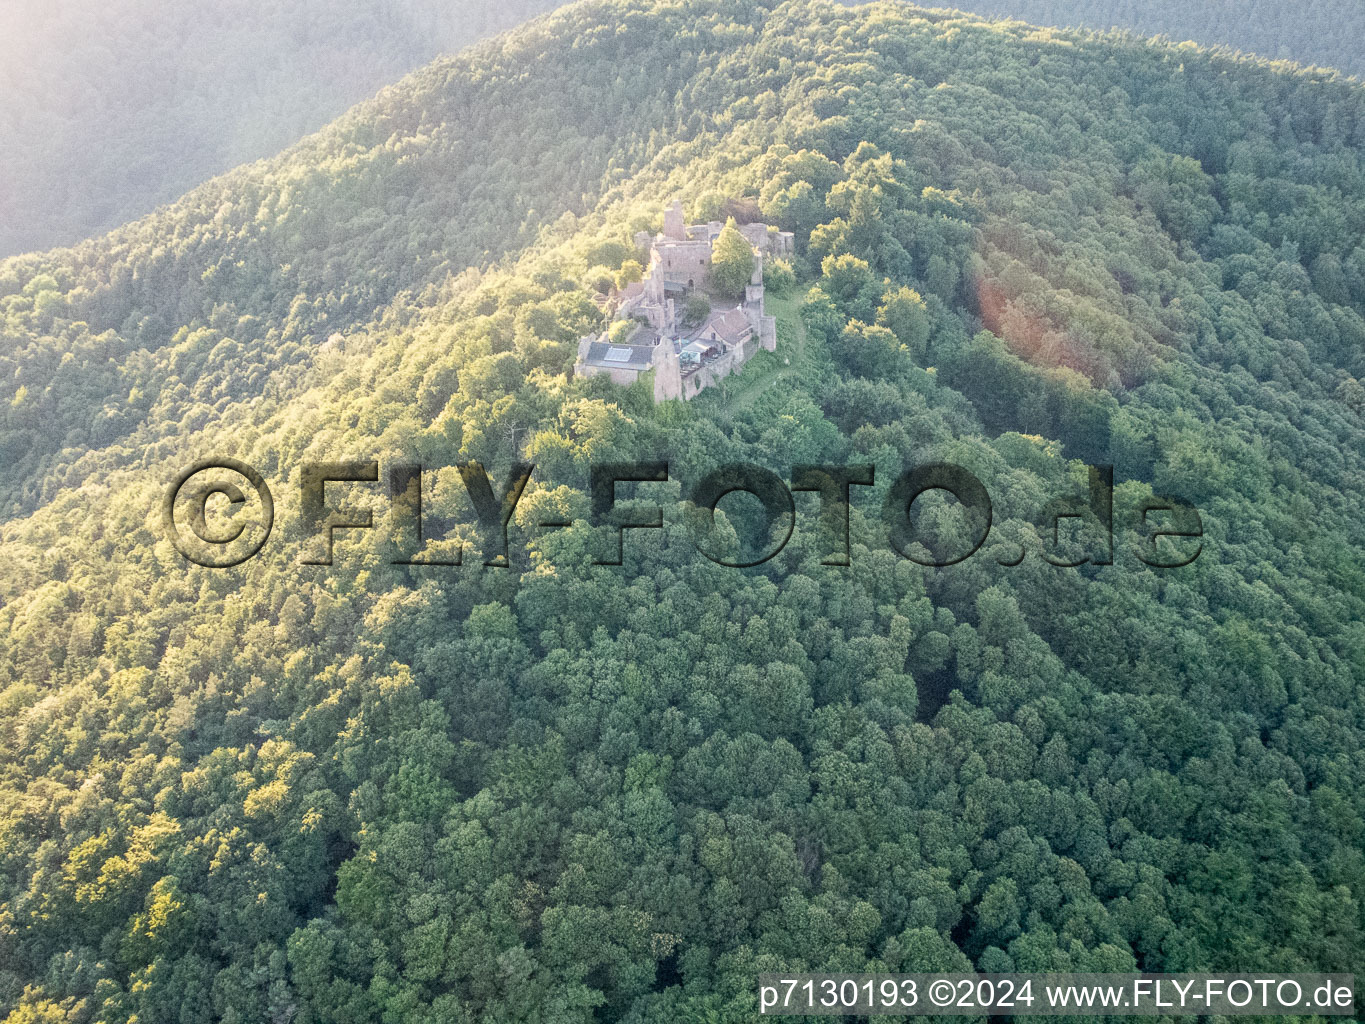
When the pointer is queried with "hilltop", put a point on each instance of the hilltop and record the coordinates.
(108, 111)
(1323, 33)
(297, 792)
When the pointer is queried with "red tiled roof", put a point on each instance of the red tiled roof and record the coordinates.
(730, 326)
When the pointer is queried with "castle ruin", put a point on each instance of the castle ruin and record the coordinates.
(685, 358)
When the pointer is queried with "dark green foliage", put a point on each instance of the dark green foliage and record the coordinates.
(696, 308)
(1326, 33)
(577, 792)
(110, 110)
(732, 262)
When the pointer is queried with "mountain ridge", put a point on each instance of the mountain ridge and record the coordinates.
(322, 793)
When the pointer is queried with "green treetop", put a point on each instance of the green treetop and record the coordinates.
(732, 261)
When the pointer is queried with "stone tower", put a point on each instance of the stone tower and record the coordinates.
(674, 227)
(667, 372)
(753, 293)
(765, 327)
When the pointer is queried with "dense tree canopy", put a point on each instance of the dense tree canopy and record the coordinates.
(1326, 33)
(732, 261)
(108, 110)
(572, 791)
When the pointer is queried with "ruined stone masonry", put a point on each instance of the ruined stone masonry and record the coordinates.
(685, 359)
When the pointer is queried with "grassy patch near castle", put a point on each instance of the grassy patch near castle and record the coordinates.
(796, 357)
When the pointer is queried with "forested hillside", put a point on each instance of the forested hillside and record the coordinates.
(108, 110)
(1326, 33)
(569, 791)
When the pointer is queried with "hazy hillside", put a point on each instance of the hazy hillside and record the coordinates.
(1326, 33)
(108, 110)
(291, 792)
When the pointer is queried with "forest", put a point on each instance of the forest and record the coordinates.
(569, 791)
(109, 110)
(1326, 33)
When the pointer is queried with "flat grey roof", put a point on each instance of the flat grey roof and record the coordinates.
(628, 357)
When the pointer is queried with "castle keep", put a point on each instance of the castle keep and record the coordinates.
(685, 358)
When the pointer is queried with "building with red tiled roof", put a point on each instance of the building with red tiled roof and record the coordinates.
(684, 362)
